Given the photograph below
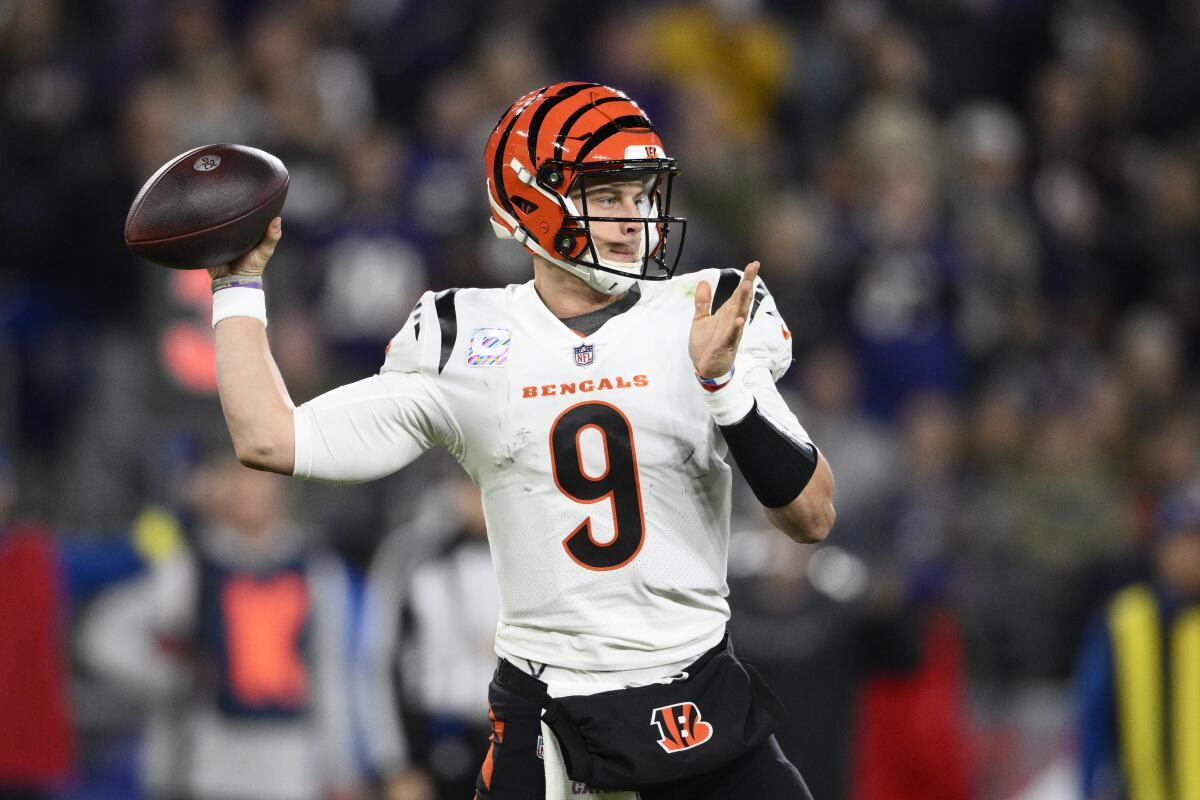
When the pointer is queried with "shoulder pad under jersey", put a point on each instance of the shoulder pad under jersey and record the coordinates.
(426, 339)
(767, 341)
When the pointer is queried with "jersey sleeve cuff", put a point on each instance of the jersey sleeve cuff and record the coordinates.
(302, 432)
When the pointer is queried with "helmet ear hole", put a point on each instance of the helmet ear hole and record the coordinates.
(524, 204)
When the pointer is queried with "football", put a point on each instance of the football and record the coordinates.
(206, 207)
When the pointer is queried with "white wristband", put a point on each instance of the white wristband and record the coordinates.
(239, 301)
(729, 404)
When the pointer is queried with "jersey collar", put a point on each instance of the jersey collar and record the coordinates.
(587, 324)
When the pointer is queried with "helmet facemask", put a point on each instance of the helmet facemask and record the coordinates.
(658, 253)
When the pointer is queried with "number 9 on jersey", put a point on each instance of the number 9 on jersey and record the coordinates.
(618, 484)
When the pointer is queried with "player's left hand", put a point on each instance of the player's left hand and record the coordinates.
(715, 337)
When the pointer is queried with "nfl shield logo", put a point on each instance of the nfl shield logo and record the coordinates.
(585, 354)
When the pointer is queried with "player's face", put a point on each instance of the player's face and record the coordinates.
(616, 241)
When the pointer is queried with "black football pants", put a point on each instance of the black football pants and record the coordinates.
(513, 768)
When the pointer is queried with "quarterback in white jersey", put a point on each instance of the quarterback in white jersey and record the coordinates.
(604, 481)
(594, 406)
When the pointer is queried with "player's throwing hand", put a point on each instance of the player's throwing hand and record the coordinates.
(254, 262)
(715, 337)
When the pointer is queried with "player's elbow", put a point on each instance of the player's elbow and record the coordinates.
(820, 522)
(820, 511)
(253, 455)
(264, 455)
(809, 518)
(264, 442)
(805, 520)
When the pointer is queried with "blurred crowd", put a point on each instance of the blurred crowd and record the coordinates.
(980, 219)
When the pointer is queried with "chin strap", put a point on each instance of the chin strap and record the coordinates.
(601, 281)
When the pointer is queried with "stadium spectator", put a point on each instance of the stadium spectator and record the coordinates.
(48, 577)
(427, 656)
(1138, 674)
(36, 736)
(819, 613)
(913, 740)
(238, 647)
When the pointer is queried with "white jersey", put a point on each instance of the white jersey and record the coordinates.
(603, 477)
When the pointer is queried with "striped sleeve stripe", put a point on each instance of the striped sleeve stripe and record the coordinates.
(727, 283)
(760, 294)
(448, 321)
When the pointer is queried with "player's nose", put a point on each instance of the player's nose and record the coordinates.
(631, 225)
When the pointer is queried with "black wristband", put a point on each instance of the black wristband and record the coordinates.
(775, 463)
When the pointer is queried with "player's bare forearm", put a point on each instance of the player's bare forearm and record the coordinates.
(258, 409)
(809, 517)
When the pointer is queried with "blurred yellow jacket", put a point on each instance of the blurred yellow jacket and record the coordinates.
(1147, 691)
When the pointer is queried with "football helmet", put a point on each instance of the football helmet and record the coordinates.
(544, 153)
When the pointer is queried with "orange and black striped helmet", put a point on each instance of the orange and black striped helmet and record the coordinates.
(541, 158)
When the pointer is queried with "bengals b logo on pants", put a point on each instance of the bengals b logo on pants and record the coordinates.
(680, 727)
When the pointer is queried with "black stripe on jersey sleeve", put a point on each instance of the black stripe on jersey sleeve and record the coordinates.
(760, 294)
(728, 281)
(448, 320)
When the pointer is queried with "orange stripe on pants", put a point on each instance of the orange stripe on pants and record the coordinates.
(489, 762)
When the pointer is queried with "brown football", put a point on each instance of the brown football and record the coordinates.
(207, 206)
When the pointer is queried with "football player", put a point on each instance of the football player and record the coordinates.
(594, 407)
